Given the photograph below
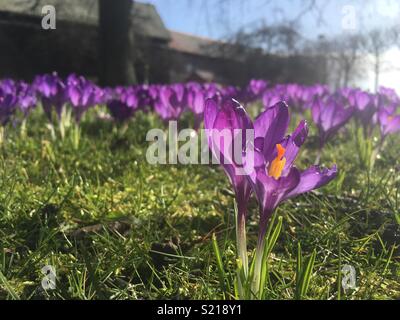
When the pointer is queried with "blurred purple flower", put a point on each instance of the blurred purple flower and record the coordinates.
(27, 99)
(389, 95)
(330, 115)
(123, 104)
(171, 102)
(365, 106)
(197, 95)
(82, 94)
(8, 102)
(270, 98)
(254, 90)
(52, 91)
(389, 122)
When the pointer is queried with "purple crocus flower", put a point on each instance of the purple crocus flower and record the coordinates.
(330, 115)
(268, 164)
(270, 98)
(275, 178)
(389, 122)
(171, 102)
(52, 91)
(82, 94)
(232, 91)
(119, 110)
(196, 101)
(317, 90)
(254, 90)
(123, 104)
(197, 95)
(196, 98)
(228, 115)
(27, 99)
(17, 94)
(145, 99)
(8, 102)
(295, 95)
(257, 87)
(8, 86)
(389, 95)
(365, 106)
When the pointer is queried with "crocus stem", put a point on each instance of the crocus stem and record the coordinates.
(22, 131)
(241, 242)
(1, 134)
(243, 266)
(375, 153)
(318, 158)
(197, 122)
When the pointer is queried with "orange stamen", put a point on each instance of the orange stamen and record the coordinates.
(277, 165)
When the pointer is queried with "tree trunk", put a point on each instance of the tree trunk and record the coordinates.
(116, 63)
(377, 70)
(346, 76)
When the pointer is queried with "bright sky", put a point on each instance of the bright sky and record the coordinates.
(208, 18)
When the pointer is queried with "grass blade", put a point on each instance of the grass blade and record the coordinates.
(269, 245)
(220, 265)
(4, 282)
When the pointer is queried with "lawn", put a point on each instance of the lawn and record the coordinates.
(115, 227)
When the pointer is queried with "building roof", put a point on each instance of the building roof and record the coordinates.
(191, 44)
(146, 19)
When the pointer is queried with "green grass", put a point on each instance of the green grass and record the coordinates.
(115, 227)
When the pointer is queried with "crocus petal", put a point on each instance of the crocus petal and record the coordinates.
(270, 192)
(277, 116)
(224, 123)
(272, 124)
(293, 143)
(74, 95)
(316, 111)
(312, 178)
(342, 115)
(210, 113)
(330, 115)
(392, 126)
(198, 102)
(229, 116)
(326, 116)
(254, 161)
